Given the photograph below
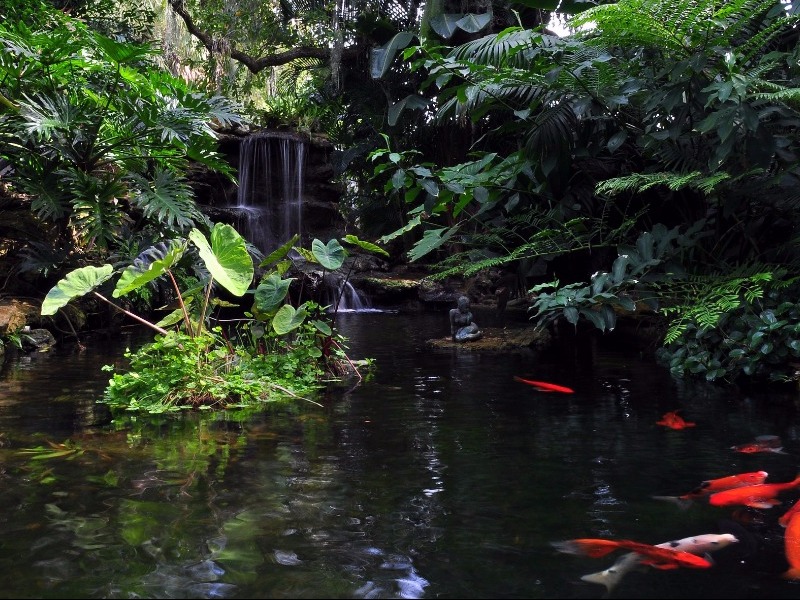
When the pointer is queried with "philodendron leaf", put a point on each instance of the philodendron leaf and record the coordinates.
(368, 246)
(77, 283)
(287, 318)
(226, 258)
(330, 255)
(149, 265)
(271, 292)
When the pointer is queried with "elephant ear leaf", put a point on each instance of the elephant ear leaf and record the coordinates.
(288, 319)
(149, 265)
(271, 292)
(226, 257)
(330, 255)
(77, 283)
(368, 246)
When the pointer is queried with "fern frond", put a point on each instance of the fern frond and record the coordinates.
(640, 182)
(706, 299)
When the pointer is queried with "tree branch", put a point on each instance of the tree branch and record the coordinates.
(259, 64)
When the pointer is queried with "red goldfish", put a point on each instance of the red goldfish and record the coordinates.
(791, 542)
(674, 421)
(698, 544)
(787, 516)
(543, 386)
(762, 443)
(658, 557)
(711, 486)
(762, 495)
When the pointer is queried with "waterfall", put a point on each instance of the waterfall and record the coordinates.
(269, 205)
(340, 295)
(350, 300)
(269, 200)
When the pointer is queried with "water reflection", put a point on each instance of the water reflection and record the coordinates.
(436, 477)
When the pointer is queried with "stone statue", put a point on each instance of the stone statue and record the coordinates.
(462, 327)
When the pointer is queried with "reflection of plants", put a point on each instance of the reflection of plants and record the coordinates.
(53, 450)
(37, 469)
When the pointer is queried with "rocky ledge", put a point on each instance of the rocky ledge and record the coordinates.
(498, 339)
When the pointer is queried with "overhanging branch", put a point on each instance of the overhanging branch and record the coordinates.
(258, 64)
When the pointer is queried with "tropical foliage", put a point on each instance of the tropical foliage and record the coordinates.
(99, 141)
(280, 351)
(650, 115)
(643, 162)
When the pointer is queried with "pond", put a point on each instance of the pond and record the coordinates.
(438, 476)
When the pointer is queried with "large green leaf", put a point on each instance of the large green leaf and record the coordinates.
(271, 292)
(472, 23)
(226, 258)
(149, 265)
(410, 101)
(330, 255)
(445, 24)
(77, 283)
(287, 318)
(381, 58)
(431, 240)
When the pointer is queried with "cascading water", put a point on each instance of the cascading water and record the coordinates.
(269, 201)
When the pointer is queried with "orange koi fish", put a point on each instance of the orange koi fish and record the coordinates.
(787, 516)
(543, 386)
(674, 421)
(762, 443)
(762, 495)
(658, 557)
(791, 542)
(711, 486)
(698, 544)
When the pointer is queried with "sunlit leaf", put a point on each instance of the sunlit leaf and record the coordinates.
(330, 255)
(77, 283)
(149, 265)
(227, 258)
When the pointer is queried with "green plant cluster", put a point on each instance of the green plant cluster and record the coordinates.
(98, 141)
(636, 282)
(177, 372)
(758, 340)
(277, 351)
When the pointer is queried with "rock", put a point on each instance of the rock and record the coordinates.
(37, 339)
(14, 315)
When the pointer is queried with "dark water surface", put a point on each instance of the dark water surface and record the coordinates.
(437, 477)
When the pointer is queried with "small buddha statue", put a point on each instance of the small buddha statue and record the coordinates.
(462, 327)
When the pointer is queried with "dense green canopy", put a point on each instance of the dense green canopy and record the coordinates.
(644, 160)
